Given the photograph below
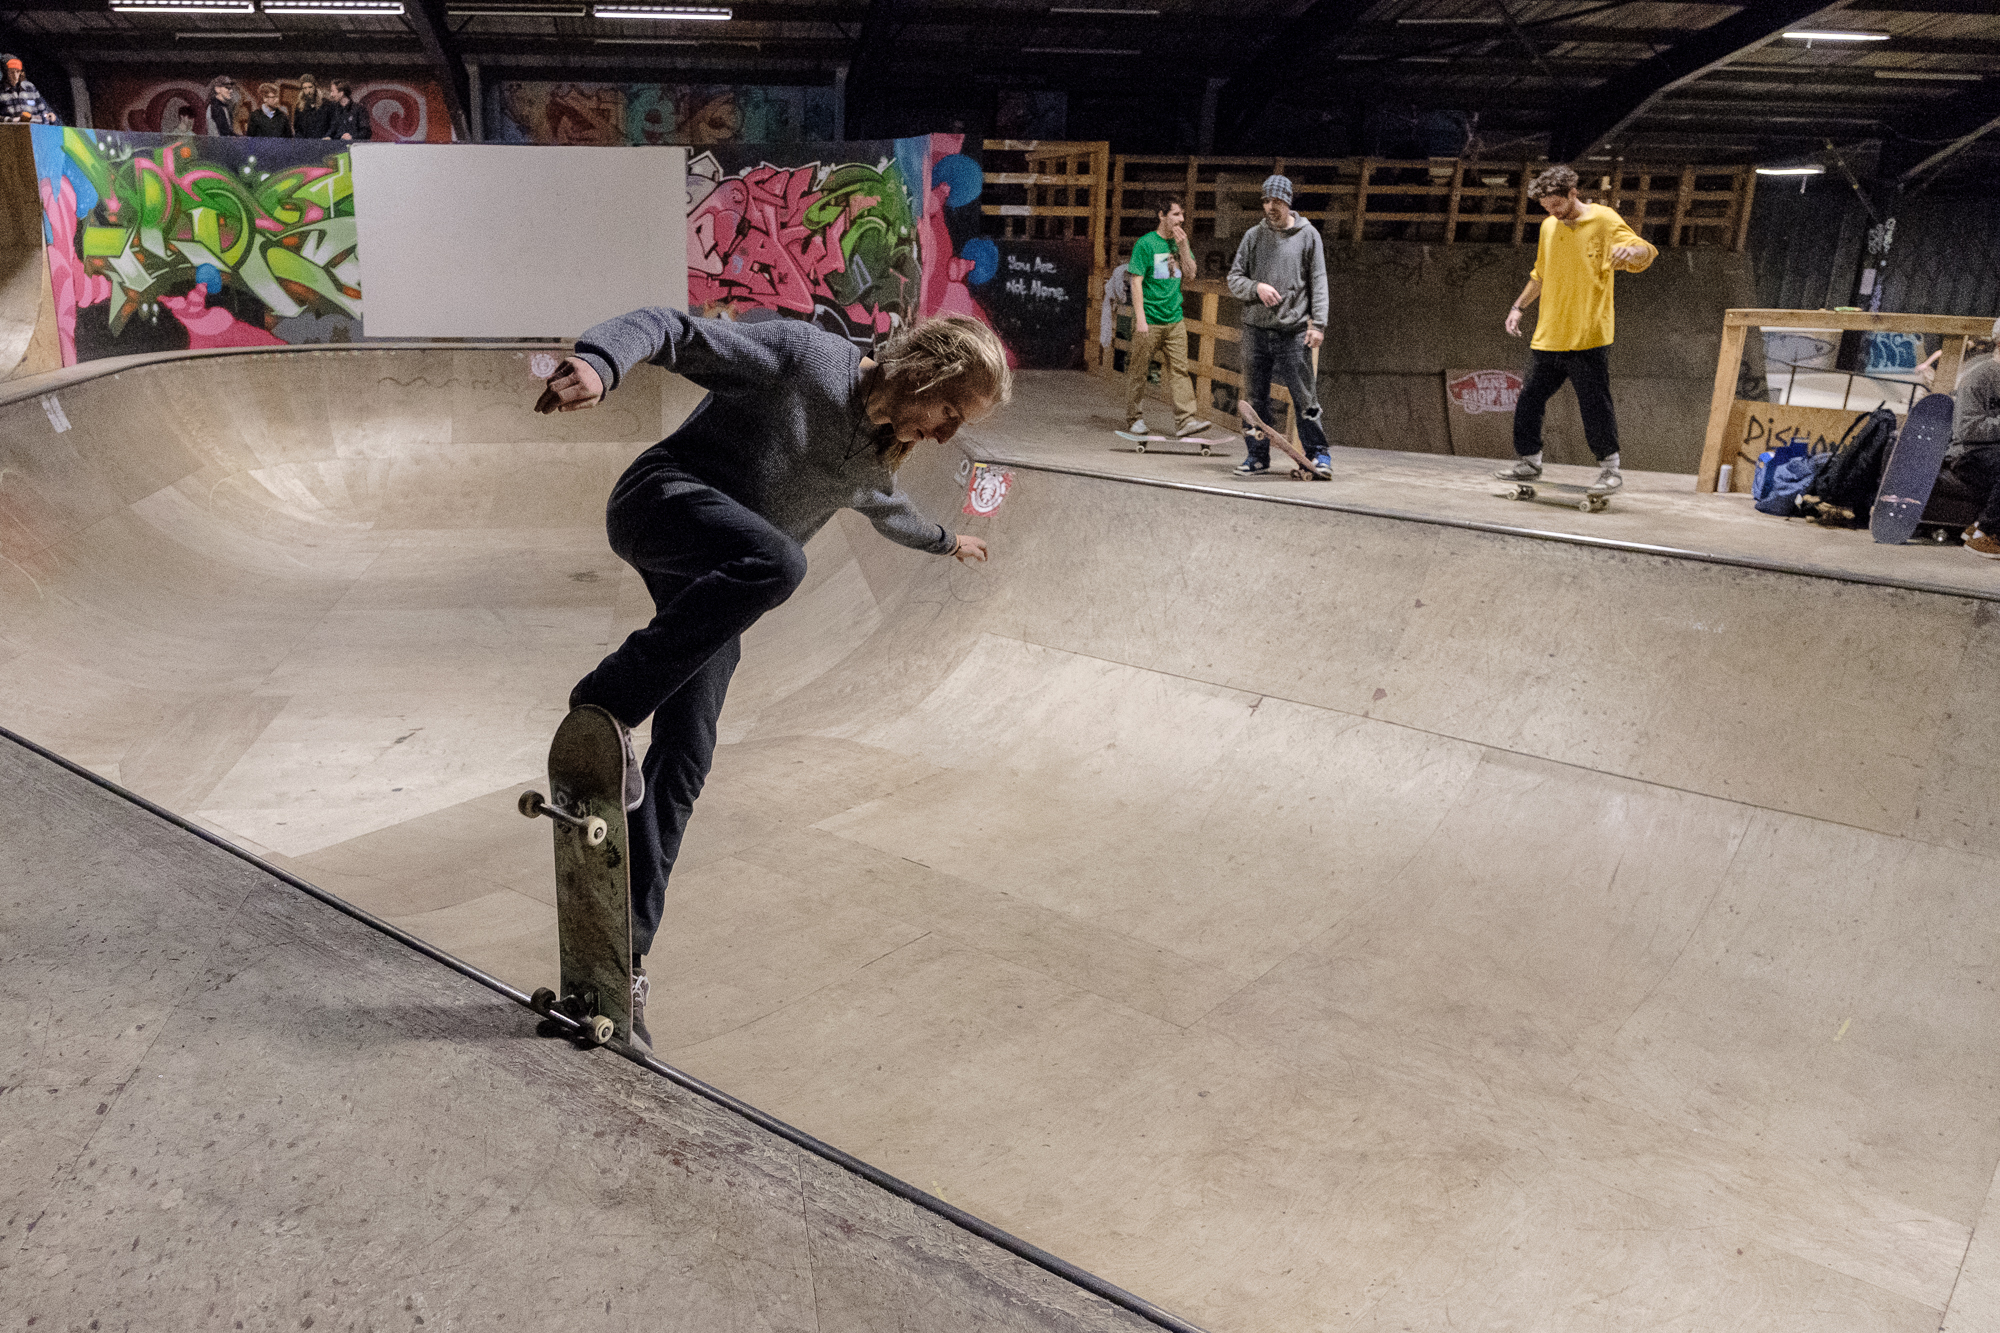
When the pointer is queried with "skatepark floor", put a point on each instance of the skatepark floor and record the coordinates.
(1300, 916)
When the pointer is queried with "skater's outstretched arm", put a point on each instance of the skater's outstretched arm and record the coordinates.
(717, 354)
(1631, 252)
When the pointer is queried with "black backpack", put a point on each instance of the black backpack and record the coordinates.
(1846, 486)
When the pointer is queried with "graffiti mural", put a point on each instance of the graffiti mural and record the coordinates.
(609, 114)
(399, 111)
(852, 239)
(161, 243)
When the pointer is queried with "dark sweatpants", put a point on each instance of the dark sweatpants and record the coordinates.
(1590, 371)
(1979, 469)
(713, 567)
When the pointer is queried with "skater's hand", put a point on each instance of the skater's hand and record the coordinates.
(969, 549)
(1268, 294)
(1627, 254)
(1139, 324)
(1514, 321)
(572, 388)
(1180, 234)
(1314, 337)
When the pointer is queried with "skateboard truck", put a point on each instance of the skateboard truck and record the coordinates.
(578, 1009)
(593, 829)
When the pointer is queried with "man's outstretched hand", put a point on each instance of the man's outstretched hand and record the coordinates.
(572, 388)
(969, 549)
(1627, 254)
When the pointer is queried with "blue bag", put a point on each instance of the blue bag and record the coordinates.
(1767, 467)
(1784, 482)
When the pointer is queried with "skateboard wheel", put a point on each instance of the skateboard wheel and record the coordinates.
(1141, 446)
(595, 831)
(602, 1029)
(1206, 451)
(530, 803)
(543, 1001)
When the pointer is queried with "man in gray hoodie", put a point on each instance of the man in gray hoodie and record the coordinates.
(1280, 277)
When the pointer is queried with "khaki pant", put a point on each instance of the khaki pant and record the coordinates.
(1169, 343)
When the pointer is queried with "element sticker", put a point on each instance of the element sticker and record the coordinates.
(987, 490)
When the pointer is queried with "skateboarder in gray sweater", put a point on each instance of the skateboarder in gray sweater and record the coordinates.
(1975, 443)
(797, 424)
(1280, 276)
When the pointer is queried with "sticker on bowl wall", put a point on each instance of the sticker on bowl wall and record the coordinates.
(542, 365)
(987, 490)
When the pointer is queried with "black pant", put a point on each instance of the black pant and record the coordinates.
(713, 567)
(1979, 469)
(1590, 371)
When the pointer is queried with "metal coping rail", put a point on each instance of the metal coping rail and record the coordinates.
(874, 1175)
(1507, 530)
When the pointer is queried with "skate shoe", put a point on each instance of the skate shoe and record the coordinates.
(640, 987)
(1250, 467)
(1138, 426)
(1522, 470)
(1608, 480)
(1192, 426)
(1982, 543)
(1322, 467)
(635, 780)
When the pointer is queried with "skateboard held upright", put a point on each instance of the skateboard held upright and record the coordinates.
(1305, 469)
(1912, 470)
(593, 875)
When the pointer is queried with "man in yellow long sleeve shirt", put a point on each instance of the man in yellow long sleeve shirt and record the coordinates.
(1582, 245)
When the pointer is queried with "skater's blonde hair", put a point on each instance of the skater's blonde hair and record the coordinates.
(953, 355)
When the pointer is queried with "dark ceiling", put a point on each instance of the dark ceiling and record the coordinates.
(1572, 78)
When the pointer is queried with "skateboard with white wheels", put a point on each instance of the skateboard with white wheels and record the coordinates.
(1305, 469)
(586, 804)
(1588, 500)
(1915, 460)
(1141, 443)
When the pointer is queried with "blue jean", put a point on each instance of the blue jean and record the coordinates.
(1269, 354)
(713, 567)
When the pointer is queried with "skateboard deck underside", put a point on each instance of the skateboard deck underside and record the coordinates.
(1302, 468)
(1912, 471)
(593, 884)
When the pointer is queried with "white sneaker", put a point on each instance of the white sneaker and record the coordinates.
(1138, 427)
(1192, 426)
(641, 987)
(1608, 480)
(1523, 470)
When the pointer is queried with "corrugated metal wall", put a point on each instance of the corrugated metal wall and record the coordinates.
(1805, 249)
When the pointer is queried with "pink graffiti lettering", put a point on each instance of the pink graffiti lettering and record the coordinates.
(72, 286)
(748, 242)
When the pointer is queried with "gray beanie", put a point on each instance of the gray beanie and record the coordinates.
(1278, 187)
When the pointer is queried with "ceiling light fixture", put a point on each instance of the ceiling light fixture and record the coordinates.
(182, 7)
(701, 13)
(1457, 23)
(229, 36)
(386, 7)
(1835, 35)
(1118, 13)
(1944, 75)
(514, 9)
(1080, 51)
(1791, 171)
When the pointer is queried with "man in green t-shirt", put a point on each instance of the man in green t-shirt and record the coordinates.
(1160, 259)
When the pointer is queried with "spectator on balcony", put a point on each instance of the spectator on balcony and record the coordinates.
(221, 114)
(350, 118)
(20, 100)
(312, 115)
(270, 120)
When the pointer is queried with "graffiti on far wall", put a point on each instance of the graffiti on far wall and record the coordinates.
(159, 243)
(607, 114)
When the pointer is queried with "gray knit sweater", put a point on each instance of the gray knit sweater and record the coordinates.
(783, 431)
(1293, 261)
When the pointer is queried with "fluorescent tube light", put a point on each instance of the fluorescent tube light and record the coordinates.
(475, 9)
(1941, 75)
(1791, 171)
(1835, 35)
(229, 37)
(1120, 13)
(333, 6)
(1456, 23)
(182, 7)
(1079, 51)
(701, 12)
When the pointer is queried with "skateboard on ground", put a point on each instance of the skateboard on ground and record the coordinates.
(1589, 501)
(593, 875)
(1912, 470)
(1206, 443)
(1305, 470)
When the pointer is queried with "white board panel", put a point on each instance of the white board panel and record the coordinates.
(514, 240)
